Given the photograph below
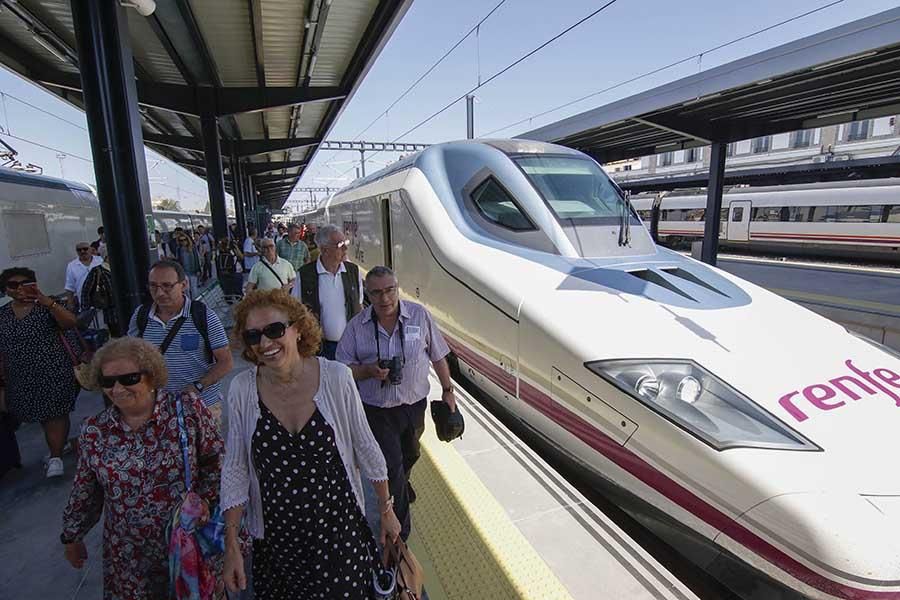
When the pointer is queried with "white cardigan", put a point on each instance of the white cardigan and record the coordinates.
(337, 400)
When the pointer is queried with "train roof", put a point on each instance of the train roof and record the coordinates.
(507, 146)
(44, 181)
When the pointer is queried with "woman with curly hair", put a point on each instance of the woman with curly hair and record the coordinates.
(297, 441)
(131, 470)
(40, 385)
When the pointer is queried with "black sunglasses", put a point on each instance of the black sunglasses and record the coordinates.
(109, 381)
(273, 331)
(14, 285)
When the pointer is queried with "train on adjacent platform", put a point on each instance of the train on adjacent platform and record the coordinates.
(740, 424)
(42, 218)
(851, 219)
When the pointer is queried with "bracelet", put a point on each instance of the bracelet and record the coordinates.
(388, 505)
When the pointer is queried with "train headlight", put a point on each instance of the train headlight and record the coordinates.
(700, 403)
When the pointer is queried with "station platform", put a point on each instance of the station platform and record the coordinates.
(492, 520)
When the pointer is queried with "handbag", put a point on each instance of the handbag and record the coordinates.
(80, 360)
(408, 573)
(189, 544)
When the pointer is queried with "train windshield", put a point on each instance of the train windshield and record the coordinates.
(576, 189)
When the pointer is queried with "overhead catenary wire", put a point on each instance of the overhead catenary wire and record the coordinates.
(39, 109)
(499, 73)
(698, 56)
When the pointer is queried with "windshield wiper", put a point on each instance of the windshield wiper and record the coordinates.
(625, 220)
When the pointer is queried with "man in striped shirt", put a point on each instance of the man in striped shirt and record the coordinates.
(395, 399)
(191, 370)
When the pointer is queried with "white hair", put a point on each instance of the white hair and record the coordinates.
(323, 235)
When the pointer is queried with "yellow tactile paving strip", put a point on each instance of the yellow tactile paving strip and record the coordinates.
(475, 551)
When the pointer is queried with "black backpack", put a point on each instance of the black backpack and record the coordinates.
(198, 316)
(97, 289)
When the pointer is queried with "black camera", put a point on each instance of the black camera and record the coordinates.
(395, 369)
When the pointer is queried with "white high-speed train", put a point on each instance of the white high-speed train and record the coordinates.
(42, 218)
(741, 422)
(844, 219)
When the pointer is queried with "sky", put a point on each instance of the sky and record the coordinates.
(627, 39)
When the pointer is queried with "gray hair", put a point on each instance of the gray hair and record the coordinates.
(379, 271)
(323, 235)
(293, 226)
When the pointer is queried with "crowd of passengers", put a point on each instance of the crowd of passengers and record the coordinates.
(335, 393)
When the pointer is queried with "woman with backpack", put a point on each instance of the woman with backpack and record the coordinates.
(97, 293)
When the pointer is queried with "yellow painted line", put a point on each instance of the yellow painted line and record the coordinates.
(837, 301)
(472, 549)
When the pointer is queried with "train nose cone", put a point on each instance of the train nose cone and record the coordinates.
(840, 545)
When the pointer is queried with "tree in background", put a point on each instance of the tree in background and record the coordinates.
(166, 204)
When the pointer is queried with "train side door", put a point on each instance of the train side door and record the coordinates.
(739, 221)
(386, 232)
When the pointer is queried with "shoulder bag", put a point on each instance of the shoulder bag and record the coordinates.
(268, 266)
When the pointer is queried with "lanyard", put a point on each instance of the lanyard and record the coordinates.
(378, 342)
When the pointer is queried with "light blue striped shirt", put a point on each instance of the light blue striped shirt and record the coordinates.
(186, 357)
(423, 343)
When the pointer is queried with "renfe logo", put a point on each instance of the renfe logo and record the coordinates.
(828, 396)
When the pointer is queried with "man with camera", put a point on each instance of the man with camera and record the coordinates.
(389, 346)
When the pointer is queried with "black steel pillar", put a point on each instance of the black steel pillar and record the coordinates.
(713, 203)
(654, 219)
(237, 191)
(117, 145)
(212, 157)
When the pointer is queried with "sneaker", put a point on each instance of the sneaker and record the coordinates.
(54, 467)
(66, 449)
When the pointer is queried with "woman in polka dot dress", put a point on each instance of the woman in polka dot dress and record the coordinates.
(297, 441)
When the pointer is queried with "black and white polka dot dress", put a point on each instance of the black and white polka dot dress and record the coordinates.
(317, 543)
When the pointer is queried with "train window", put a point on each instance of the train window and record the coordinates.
(26, 233)
(497, 206)
(892, 216)
(737, 215)
(645, 214)
(575, 189)
(846, 214)
(695, 214)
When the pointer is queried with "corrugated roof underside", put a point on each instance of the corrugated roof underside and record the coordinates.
(12, 28)
(225, 26)
(149, 52)
(283, 33)
(344, 28)
(57, 15)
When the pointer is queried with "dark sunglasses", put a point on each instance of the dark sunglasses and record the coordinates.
(109, 381)
(14, 285)
(273, 331)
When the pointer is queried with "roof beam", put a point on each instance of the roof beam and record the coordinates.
(175, 141)
(679, 132)
(255, 12)
(256, 168)
(273, 178)
(234, 100)
(262, 146)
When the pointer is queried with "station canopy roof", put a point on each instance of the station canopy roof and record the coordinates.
(848, 73)
(277, 72)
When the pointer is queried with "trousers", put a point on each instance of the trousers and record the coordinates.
(397, 431)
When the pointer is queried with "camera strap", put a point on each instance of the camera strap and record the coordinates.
(378, 341)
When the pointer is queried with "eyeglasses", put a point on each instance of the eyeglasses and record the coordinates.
(88, 249)
(388, 291)
(340, 245)
(166, 287)
(126, 379)
(14, 285)
(273, 331)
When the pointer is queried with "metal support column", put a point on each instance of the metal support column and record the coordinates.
(117, 145)
(362, 162)
(212, 157)
(237, 192)
(713, 202)
(654, 218)
(470, 117)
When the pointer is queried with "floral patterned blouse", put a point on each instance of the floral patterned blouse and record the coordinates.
(135, 479)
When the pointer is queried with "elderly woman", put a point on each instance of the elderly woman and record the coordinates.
(40, 384)
(131, 470)
(297, 440)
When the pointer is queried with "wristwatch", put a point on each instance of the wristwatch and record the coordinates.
(447, 389)
(199, 386)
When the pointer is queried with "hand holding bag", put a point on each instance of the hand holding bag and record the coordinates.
(448, 424)
(409, 575)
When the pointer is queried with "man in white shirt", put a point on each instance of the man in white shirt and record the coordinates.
(77, 271)
(251, 252)
(272, 272)
(331, 287)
